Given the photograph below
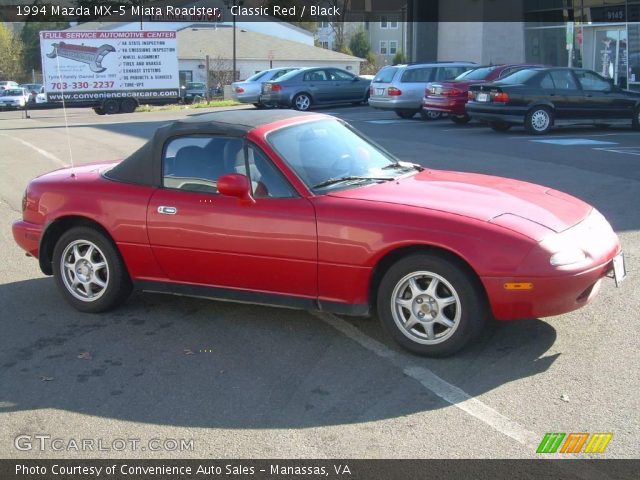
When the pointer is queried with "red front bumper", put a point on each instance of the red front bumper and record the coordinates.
(549, 296)
(450, 105)
(27, 236)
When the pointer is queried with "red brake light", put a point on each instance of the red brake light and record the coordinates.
(501, 97)
(454, 92)
(394, 92)
(276, 87)
(239, 90)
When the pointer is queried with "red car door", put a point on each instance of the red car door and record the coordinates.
(201, 237)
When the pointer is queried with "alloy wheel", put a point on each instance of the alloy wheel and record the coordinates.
(426, 308)
(85, 271)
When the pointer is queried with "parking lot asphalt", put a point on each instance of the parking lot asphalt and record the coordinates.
(248, 381)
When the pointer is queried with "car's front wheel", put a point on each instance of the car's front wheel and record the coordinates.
(89, 271)
(430, 114)
(635, 123)
(539, 120)
(302, 102)
(431, 305)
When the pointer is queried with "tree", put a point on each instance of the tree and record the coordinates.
(30, 37)
(11, 50)
(359, 44)
(399, 58)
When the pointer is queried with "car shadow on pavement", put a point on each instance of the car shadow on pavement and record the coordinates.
(191, 362)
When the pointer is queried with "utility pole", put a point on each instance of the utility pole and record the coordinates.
(206, 66)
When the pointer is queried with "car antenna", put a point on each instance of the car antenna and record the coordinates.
(66, 122)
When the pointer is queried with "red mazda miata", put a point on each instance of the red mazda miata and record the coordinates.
(301, 210)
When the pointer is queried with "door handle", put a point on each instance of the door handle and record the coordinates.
(167, 210)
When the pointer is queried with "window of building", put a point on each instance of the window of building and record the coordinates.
(384, 22)
(393, 23)
(383, 47)
(324, 45)
(393, 47)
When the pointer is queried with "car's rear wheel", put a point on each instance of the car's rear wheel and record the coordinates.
(302, 102)
(460, 119)
(431, 305)
(405, 113)
(111, 107)
(539, 120)
(429, 114)
(128, 105)
(89, 271)
(98, 110)
(635, 123)
(500, 126)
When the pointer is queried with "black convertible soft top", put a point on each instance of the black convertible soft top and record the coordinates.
(143, 166)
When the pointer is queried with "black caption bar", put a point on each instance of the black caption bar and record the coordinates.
(317, 469)
(531, 11)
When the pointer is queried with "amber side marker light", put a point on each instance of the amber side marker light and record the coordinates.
(518, 286)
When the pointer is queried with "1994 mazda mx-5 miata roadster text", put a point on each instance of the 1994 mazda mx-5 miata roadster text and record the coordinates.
(301, 210)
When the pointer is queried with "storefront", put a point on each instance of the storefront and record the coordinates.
(601, 35)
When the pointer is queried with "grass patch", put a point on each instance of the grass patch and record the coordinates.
(180, 106)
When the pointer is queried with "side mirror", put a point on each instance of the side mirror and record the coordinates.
(356, 79)
(236, 185)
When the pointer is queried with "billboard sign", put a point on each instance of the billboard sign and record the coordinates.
(101, 64)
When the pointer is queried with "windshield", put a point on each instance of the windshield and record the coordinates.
(13, 92)
(194, 85)
(328, 155)
(477, 74)
(520, 76)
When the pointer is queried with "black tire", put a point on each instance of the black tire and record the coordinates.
(111, 107)
(500, 126)
(470, 310)
(429, 115)
(259, 106)
(460, 119)
(114, 275)
(128, 105)
(532, 123)
(635, 123)
(405, 113)
(98, 110)
(302, 102)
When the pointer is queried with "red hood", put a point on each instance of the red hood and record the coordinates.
(481, 197)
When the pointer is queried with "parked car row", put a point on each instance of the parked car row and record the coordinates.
(534, 96)
(401, 87)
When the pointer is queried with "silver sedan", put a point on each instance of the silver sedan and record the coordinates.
(248, 91)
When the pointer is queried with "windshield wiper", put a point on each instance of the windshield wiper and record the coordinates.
(333, 181)
(400, 166)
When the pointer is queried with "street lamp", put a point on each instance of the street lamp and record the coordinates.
(230, 4)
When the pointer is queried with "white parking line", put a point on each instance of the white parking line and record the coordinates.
(42, 152)
(581, 135)
(446, 391)
(624, 150)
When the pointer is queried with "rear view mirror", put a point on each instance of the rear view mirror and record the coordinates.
(236, 185)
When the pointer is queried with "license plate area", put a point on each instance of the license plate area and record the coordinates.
(482, 97)
(619, 269)
(379, 91)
